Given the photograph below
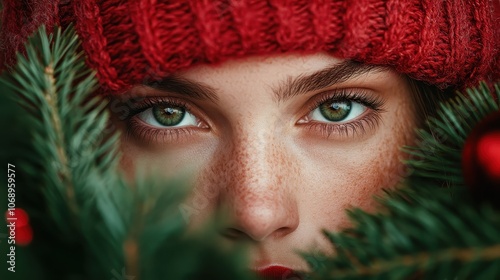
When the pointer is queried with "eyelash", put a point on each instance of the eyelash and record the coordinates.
(155, 135)
(353, 127)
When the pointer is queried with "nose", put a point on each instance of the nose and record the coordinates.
(258, 190)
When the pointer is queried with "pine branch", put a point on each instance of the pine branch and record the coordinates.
(53, 85)
(438, 156)
(432, 238)
(93, 221)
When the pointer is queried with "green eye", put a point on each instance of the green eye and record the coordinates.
(335, 111)
(168, 115)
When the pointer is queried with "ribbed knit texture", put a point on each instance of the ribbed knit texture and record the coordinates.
(442, 42)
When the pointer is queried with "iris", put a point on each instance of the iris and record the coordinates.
(336, 111)
(168, 115)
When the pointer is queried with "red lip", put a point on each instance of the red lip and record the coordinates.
(276, 272)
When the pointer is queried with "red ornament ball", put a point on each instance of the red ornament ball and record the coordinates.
(481, 158)
(18, 226)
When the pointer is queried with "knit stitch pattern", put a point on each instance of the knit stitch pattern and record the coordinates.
(447, 43)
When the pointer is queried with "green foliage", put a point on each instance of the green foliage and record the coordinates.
(425, 231)
(438, 156)
(90, 223)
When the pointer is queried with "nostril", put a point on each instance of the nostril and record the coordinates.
(282, 232)
(232, 233)
(236, 234)
(267, 216)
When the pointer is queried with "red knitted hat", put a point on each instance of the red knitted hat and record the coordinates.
(445, 43)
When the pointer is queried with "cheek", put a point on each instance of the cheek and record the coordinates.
(350, 176)
(350, 184)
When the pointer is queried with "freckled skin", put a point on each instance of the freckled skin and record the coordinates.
(279, 183)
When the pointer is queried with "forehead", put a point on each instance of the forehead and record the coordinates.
(262, 69)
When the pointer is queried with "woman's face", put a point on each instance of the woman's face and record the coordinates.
(281, 144)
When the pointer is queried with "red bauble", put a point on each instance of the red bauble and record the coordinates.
(481, 159)
(21, 231)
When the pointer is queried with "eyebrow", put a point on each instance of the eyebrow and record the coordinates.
(292, 86)
(184, 87)
(321, 79)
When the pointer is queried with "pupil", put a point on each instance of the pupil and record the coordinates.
(168, 115)
(170, 111)
(336, 111)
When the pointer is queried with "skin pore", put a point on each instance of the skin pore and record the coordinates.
(281, 144)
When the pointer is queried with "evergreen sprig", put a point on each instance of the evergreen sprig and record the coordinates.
(438, 156)
(425, 231)
(92, 222)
